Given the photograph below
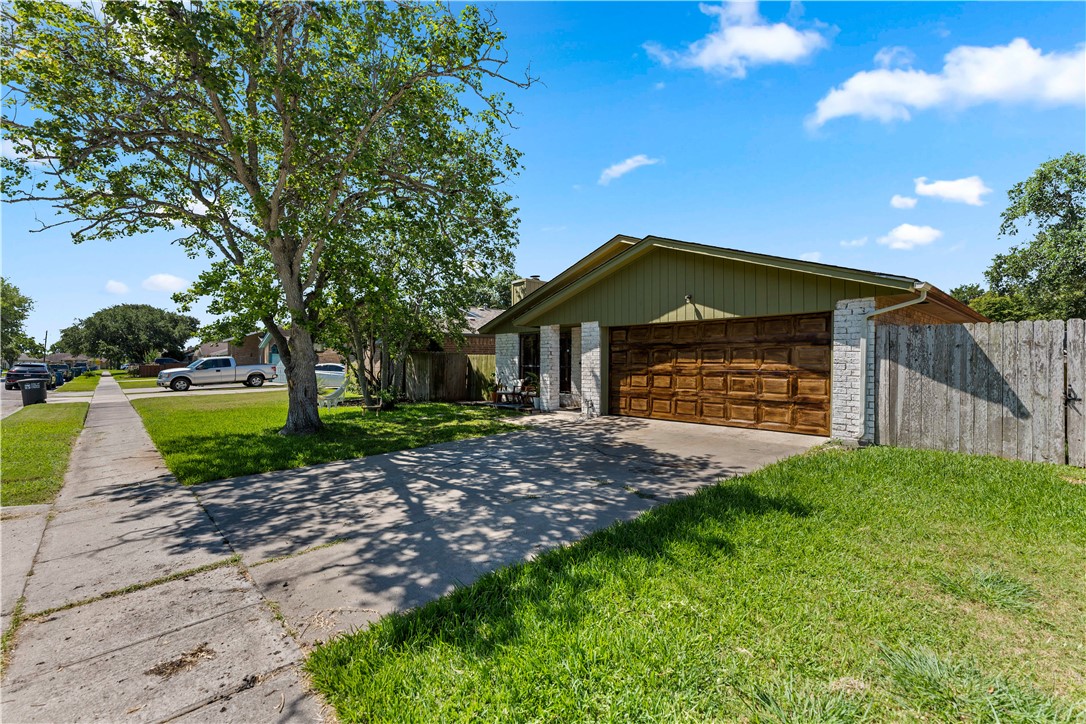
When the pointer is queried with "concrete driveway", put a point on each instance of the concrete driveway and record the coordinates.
(338, 545)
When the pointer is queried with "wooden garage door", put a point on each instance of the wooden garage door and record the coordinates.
(771, 373)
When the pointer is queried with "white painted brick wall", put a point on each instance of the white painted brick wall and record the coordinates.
(848, 328)
(507, 357)
(591, 381)
(549, 360)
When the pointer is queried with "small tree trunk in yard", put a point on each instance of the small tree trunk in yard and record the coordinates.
(301, 368)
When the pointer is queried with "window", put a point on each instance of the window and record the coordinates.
(529, 355)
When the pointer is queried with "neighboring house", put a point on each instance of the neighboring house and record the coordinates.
(247, 352)
(666, 329)
(57, 358)
(474, 342)
(268, 353)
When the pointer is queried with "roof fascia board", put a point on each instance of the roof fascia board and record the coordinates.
(810, 267)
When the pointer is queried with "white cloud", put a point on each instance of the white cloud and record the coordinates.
(659, 86)
(622, 168)
(894, 56)
(811, 256)
(902, 202)
(164, 283)
(908, 236)
(9, 150)
(116, 287)
(971, 75)
(742, 39)
(852, 243)
(963, 190)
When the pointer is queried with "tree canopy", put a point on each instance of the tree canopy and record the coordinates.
(15, 307)
(1049, 271)
(495, 292)
(272, 133)
(129, 333)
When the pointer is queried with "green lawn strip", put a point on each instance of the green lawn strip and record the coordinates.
(137, 382)
(84, 383)
(210, 437)
(813, 590)
(37, 442)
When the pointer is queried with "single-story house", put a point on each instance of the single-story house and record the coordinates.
(473, 342)
(246, 350)
(268, 353)
(672, 330)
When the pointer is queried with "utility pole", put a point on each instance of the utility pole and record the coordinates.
(45, 349)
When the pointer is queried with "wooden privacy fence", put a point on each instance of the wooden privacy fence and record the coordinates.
(1013, 389)
(447, 376)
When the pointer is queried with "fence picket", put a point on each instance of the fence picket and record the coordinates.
(954, 400)
(966, 399)
(1076, 387)
(1008, 410)
(1055, 395)
(1024, 390)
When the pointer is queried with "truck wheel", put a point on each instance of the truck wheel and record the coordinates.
(180, 384)
(255, 381)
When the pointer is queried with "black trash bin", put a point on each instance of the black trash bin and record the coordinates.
(33, 390)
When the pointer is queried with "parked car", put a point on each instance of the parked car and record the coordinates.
(215, 371)
(166, 361)
(79, 368)
(62, 368)
(331, 374)
(28, 371)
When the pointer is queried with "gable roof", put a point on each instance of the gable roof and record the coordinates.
(585, 274)
(610, 249)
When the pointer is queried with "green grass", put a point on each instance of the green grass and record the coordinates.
(37, 442)
(814, 590)
(86, 382)
(137, 382)
(212, 437)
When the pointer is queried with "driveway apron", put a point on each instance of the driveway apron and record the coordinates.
(135, 609)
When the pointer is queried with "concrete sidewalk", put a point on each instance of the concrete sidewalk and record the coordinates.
(136, 608)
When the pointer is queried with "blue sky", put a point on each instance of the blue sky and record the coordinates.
(778, 128)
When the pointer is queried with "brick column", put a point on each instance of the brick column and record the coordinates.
(549, 360)
(507, 357)
(591, 378)
(848, 328)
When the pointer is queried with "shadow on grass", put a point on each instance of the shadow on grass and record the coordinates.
(558, 586)
(198, 453)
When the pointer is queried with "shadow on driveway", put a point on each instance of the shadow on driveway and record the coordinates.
(401, 529)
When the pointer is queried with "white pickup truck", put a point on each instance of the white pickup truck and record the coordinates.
(215, 371)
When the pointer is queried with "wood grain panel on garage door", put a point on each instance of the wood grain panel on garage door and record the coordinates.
(771, 373)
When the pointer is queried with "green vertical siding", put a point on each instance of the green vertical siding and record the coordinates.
(652, 289)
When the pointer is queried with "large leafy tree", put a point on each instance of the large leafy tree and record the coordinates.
(421, 271)
(1049, 271)
(494, 291)
(128, 332)
(270, 131)
(15, 307)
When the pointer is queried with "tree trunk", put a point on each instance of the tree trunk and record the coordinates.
(301, 368)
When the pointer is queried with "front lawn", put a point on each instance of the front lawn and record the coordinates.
(210, 437)
(127, 383)
(875, 585)
(36, 444)
(86, 382)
